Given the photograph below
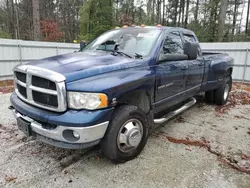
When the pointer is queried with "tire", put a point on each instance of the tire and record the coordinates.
(126, 135)
(221, 94)
(209, 97)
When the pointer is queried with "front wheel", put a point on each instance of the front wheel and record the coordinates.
(221, 94)
(126, 135)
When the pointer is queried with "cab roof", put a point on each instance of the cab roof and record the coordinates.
(163, 28)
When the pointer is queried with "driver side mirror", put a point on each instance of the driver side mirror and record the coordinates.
(191, 50)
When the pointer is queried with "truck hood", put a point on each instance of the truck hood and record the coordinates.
(75, 66)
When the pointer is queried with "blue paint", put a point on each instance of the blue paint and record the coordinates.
(72, 118)
(166, 83)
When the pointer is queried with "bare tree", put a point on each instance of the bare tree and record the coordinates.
(176, 12)
(222, 17)
(158, 11)
(196, 11)
(247, 21)
(235, 16)
(36, 20)
(183, 12)
(180, 9)
(187, 10)
(163, 12)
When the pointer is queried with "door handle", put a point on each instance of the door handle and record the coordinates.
(185, 67)
(201, 64)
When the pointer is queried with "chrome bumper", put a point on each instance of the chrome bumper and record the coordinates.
(87, 134)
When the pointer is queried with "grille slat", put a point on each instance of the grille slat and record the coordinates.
(21, 76)
(43, 83)
(45, 99)
(22, 90)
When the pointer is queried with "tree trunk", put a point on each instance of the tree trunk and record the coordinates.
(158, 11)
(9, 21)
(153, 13)
(180, 9)
(163, 12)
(74, 22)
(234, 17)
(14, 30)
(241, 17)
(222, 17)
(247, 21)
(183, 12)
(196, 11)
(176, 12)
(187, 10)
(36, 20)
(116, 11)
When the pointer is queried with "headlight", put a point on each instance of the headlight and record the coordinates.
(89, 101)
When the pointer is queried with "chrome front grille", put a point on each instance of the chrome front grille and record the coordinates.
(40, 87)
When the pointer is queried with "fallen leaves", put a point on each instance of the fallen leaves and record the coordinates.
(9, 179)
(6, 86)
(236, 97)
(180, 119)
(241, 86)
(5, 83)
(203, 143)
(4, 90)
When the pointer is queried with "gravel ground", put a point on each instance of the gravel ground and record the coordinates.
(200, 148)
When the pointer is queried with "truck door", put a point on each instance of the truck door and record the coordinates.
(195, 69)
(171, 74)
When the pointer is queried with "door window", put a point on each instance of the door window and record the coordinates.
(173, 44)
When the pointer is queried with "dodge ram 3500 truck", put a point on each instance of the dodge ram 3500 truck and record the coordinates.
(115, 90)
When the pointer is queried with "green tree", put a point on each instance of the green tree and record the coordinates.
(97, 16)
(5, 34)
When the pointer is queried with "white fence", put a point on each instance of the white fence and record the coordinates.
(13, 52)
(239, 51)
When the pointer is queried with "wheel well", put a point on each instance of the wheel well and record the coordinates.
(140, 99)
(229, 71)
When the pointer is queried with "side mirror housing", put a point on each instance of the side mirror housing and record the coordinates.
(191, 50)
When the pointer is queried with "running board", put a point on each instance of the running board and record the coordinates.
(176, 112)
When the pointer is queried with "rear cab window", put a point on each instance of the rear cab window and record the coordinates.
(192, 39)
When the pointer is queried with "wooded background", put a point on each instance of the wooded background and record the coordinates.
(70, 20)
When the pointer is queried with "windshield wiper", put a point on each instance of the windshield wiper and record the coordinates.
(139, 56)
(114, 52)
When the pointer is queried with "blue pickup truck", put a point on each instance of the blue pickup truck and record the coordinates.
(117, 89)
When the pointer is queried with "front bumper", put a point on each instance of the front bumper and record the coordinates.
(57, 128)
(87, 134)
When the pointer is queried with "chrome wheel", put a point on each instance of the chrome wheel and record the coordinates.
(226, 92)
(129, 135)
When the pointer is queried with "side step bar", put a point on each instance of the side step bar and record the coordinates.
(176, 112)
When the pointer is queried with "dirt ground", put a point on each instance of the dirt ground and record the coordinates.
(205, 147)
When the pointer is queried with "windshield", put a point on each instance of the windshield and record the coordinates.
(132, 41)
